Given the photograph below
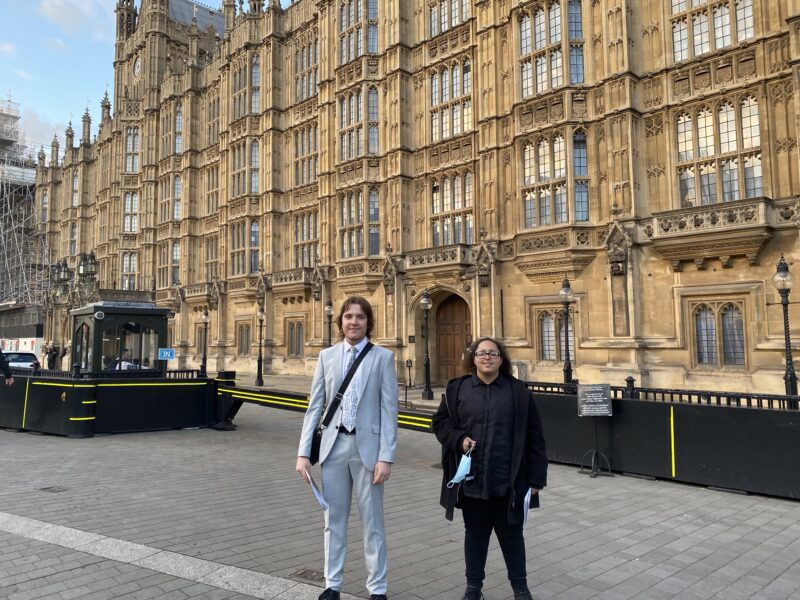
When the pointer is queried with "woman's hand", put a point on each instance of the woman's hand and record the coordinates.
(468, 444)
(302, 467)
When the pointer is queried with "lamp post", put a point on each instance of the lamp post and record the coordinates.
(567, 297)
(425, 303)
(782, 280)
(329, 316)
(259, 366)
(204, 321)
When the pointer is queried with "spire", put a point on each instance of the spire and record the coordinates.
(69, 136)
(54, 151)
(105, 109)
(41, 156)
(87, 125)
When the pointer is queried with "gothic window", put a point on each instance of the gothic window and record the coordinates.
(212, 189)
(305, 154)
(130, 212)
(719, 339)
(254, 163)
(163, 265)
(446, 14)
(239, 165)
(211, 254)
(719, 153)
(132, 150)
(176, 198)
(74, 189)
(351, 224)
(306, 238)
(254, 243)
(548, 187)
(294, 338)
(306, 71)
(255, 86)
(451, 209)
(239, 82)
(243, 339)
(238, 248)
(44, 207)
(351, 126)
(545, 37)
(176, 263)
(551, 345)
(372, 121)
(212, 115)
(709, 27)
(130, 266)
(357, 18)
(374, 248)
(451, 100)
(179, 129)
(73, 239)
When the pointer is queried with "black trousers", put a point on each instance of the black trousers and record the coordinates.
(480, 518)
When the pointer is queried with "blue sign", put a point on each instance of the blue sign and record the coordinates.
(166, 354)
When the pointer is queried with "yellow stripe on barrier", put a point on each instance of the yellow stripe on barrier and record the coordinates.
(147, 384)
(289, 403)
(81, 418)
(672, 437)
(25, 405)
(402, 421)
(427, 420)
(261, 397)
(68, 385)
(89, 402)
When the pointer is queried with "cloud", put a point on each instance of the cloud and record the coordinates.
(38, 131)
(23, 74)
(7, 49)
(56, 44)
(76, 17)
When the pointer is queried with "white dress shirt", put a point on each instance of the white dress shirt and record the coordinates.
(350, 400)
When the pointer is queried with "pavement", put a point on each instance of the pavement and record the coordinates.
(218, 515)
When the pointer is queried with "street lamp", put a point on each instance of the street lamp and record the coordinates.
(204, 321)
(259, 367)
(329, 316)
(567, 297)
(782, 280)
(425, 304)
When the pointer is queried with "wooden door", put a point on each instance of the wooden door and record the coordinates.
(453, 335)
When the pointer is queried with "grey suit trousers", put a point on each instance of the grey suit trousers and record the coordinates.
(342, 473)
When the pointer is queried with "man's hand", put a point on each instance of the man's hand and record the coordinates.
(468, 444)
(303, 465)
(9, 381)
(382, 472)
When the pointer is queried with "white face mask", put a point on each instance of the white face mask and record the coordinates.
(464, 465)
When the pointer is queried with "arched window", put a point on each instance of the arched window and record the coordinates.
(559, 157)
(706, 336)
(544, 160)
(467, 72)
(751, 134)
(684, 137)
(45, 202)
(176, 263)
(727, 128)
(255, 86)
(176, 198)
(372, 125)
(73, 239)
(178, 129)
(528, 164)
(705, 133)
(525, 34)
(132, 150)
(75, 189)
(732, 335)
(374, 223)
(254, 243)
(254, 164)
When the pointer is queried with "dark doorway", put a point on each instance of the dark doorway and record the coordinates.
(453, 335)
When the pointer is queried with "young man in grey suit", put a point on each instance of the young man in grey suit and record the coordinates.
(358, 446)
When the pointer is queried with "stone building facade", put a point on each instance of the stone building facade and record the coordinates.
(278, 158)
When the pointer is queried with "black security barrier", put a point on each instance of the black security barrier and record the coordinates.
(89, 403)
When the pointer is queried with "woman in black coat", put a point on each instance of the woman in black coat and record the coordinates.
(492, 415)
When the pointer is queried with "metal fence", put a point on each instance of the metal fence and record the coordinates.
(126, 374)
(702, 397)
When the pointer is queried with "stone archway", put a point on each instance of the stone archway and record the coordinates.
(453, 335)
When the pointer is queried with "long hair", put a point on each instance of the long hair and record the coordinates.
(469, 364)
(365, 306)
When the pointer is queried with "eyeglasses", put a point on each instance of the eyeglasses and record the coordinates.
(485, 353)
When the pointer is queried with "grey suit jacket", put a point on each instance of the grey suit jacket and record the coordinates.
(376, 417)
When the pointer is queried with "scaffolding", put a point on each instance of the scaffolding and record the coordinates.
(24, 274)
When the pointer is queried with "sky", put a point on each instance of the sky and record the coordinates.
(56, 59)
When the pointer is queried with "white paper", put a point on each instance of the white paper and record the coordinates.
(317, 494)
(526, 507)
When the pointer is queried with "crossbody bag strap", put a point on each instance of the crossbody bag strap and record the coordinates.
(343, 388)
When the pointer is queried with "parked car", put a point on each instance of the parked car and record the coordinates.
(22, 360)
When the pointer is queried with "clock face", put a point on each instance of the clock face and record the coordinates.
(137, 66)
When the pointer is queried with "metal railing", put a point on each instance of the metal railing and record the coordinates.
(126, 374)
(671, 396)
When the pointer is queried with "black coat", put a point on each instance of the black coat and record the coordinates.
(4, 368)
(528, 457)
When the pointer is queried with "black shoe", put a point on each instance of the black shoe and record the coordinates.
(377, 597)
(522, 594)
(473, 593)
(329, 594)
